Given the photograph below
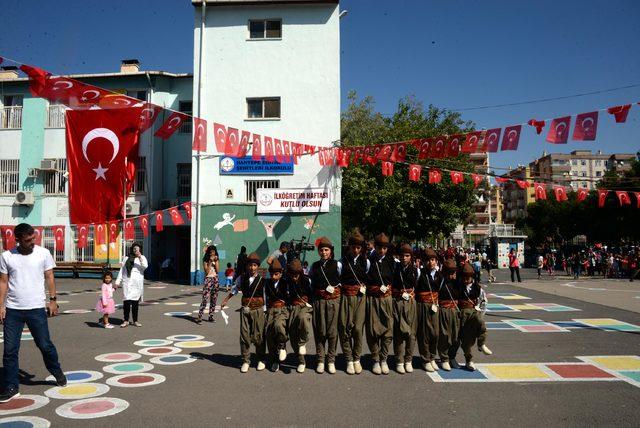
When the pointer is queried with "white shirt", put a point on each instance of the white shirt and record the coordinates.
(132, 285)
(26, 277)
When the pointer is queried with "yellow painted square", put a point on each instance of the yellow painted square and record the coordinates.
(600, 321)
(523, 307)
(516, 371)
(515, 297)
(618, 363)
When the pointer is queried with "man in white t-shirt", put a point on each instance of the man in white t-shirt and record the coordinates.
(23, 272)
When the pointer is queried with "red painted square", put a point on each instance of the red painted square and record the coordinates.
(540, 328)
(579, 370)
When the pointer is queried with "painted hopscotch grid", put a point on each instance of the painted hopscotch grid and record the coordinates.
(608, 324)
(625, 367)
(540, 326)
(547, 307)
(508, 296)
(535, 326)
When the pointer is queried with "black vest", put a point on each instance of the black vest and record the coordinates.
(473, 294)
(405, 277)
(382, 269)
(349, 268)
(449, 291)
(330, 268)
(254, 289)
(300, 289)
(425, 281)
(274, 294)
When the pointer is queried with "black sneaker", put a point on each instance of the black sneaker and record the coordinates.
(8, 394)
(61, 379)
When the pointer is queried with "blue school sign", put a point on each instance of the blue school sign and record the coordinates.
(249, 166)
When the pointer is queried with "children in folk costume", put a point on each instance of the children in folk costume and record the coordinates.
(472, 324)
(252, 320)
(300, 296)
(428, 318)
(404, 284)
(448, 296)
(379, 315)
(277, 315)
(355, 266)
(325, 279)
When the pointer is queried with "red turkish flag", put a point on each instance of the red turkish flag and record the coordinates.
(637, 196)
(456, 177)
(540, 191)
(538, 124)
(602, 197)
(159, 223)
(582, 195)
(343, 157)
(269, 150)
(501, 179)
(415, 171)
(560, 192)
(187, 209)
(559, 130)
(399, 153)
(511, 137)
(61, 90)
(286, 150)
(143, 222)
(623, 197)
(435, 176)
(171, 125)
(148, 116)
(58, 236)
(176, 218)
(620, 112)
(385, 152)
(117, 101)
(310, 149)
(37, 78)
(232, 141)
(387, 168)
(321, 157)
(438, 147)
(113, 231)
(39, 231)
(129, 231)
(477, 179)
(523, 184)
(256, 147)
(86, 96)
(358, 155)
(199, 135)
(220, 137)
(98, 142)
(425, 148)
(8, 238)
(373, 154)
(586, 126)
(99, 233)
(83, 235)
(279, 150)
(452, 147)
(492, 139)
(470, 144)
(243, 147)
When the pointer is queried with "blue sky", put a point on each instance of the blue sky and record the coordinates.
(454, 54)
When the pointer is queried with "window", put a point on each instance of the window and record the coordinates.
(55, 183)
(139, 94)
(187, 108)
(598, 173)
(9, 173)
(49, 243)
(583, 174)
(140, 182)
(263, 108)
(55, 116)
(598, 163)
(11, 112)
(584, 184)
(251, 187)
(83, 254)
(184, 180)
(583, 163)
(265, 29)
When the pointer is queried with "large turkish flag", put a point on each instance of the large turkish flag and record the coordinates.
(98, 145)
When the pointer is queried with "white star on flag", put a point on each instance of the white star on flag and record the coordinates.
(100, 172)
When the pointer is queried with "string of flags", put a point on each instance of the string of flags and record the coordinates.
(104, 233)
(231, 141)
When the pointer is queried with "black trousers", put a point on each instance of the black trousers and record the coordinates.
(515, 271)
(131, 305)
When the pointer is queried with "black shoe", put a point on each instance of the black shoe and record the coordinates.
(61, 379)
(198, 321)
(8, 394)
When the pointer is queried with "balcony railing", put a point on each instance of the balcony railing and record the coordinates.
(11, 117)
(55, 116)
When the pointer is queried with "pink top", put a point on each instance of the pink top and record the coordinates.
(107, 293)
(513, 260)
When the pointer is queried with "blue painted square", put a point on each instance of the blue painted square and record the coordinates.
(499, 325)
(528, 322)
(499, 307)
(633, 375)
(457, 374)
(559, 308)
(570, 324)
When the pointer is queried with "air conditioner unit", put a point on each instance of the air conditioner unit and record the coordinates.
(167, 203)
(48, 164)
(24, 198)
(133, 208)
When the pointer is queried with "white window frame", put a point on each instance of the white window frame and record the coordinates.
(9, 176)
(263, 99)
(251, 188)
(140, 181)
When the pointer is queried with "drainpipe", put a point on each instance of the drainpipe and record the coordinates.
(150, 170)
(197, 201)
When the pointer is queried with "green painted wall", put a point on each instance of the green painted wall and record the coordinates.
(31, 150)
(229, 238)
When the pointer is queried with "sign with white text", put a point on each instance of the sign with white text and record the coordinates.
(310, 200)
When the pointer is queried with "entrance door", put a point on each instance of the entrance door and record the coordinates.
(183, 254)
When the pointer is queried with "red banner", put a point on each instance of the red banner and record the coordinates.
(8, 238)
(477, 179)
(559, 130)
(58, 236)
(187, 209)
(602, 197)
(415, 171)
(39, 231)
(620, 112)
(560, 192)
(586, 126)
(491, 139)
(159, 222)
(129, 231)
(540, 191)
(199, 135)
(538, 124)
(435, 176)
(511, 137)
(582, 194)
(99, 232)
(623, 197)
(171, 125)
(456, 177)
(176, 218)
(143, 222)
(113, 231)
(83, 235)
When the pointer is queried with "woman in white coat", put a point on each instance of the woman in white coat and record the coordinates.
(131, 276)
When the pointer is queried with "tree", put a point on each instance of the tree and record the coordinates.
(404, 209)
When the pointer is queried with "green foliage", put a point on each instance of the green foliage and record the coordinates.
(401, 208)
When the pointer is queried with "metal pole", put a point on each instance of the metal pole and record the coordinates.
(197, 201)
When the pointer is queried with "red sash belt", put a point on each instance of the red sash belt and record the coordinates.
(397, 294)
(350, 290)
(374, 290)
(253, 303)
(450, 304)
(326, 296)
(427, 297)
(301, 301)
(467, 304)
(276, 304)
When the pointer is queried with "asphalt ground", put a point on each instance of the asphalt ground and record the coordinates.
(212, 391)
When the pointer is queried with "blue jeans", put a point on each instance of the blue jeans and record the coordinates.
(36, 320)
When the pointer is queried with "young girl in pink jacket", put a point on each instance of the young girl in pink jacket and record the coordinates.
(105, 304)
